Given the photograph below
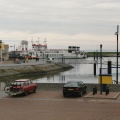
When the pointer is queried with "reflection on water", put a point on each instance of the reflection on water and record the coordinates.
(81, 71)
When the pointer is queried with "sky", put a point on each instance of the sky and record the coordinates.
(63, 23)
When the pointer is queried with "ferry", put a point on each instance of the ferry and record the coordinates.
(40, 51)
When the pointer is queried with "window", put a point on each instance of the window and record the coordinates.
(29, 82)
(26, 83)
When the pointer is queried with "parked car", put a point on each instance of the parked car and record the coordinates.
(20, 86)
(74, 88)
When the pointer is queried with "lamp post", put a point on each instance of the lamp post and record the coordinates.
(1, 50)
(117, 54)
(14, 52)
(100, 69)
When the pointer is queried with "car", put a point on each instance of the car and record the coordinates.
(50, 60)
(77, 88)
(20, 86)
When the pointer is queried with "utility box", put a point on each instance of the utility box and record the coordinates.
(106, 79)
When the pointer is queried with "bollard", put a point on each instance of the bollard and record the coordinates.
(107, 90)
(94, 65)
(93, 91)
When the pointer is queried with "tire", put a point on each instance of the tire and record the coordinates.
(64, 94)
(34, 91)
(80, 94)
(26, 93)
(7, 88)
(85, 91)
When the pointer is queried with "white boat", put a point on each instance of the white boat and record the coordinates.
(40, 51)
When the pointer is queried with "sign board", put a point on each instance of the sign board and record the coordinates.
(106, 79)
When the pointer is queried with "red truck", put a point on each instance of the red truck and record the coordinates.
(20, 86)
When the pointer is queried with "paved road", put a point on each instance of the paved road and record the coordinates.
(11, 63)
(51, 105)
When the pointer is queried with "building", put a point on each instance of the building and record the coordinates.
(4, 51)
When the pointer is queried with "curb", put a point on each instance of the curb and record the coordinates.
(103, 96)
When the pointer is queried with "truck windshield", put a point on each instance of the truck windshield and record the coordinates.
(17, 83)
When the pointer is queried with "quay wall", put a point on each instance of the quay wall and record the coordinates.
(59, 86)
(31, 69)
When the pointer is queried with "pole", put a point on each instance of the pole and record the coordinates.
(1, 54)
(94, 65)
(1, 50)
(117, 56)
(109, 68)
(100, 69)
(14, 53)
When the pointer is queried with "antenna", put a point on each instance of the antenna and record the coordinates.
(45, 41)
(38, 40)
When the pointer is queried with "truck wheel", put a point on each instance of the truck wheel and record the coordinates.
(64, 94)
(26, 93)
(7, 88)
(85, 91)
(80, 94)
(34, 90)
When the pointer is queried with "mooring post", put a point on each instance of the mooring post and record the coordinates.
(100, 69)
(94, 65)
(117, 55)
(109, 67)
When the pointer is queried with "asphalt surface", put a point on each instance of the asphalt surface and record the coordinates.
(51, 105)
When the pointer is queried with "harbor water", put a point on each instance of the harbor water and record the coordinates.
(83, 71)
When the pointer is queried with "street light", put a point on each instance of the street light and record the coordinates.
(116, 33)
(1, 50)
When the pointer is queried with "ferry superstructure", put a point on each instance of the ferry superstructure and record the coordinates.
(40, 51)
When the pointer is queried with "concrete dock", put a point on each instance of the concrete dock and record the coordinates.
(30, 68)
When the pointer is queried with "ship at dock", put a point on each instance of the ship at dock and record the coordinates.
(41, 51)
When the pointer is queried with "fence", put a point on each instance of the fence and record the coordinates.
(59, 86)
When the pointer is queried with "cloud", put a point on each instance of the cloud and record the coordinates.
(60, 21)
(107, 5)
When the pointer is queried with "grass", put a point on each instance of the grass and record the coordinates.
(104, 54)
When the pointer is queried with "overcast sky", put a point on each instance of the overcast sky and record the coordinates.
(84, 23)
